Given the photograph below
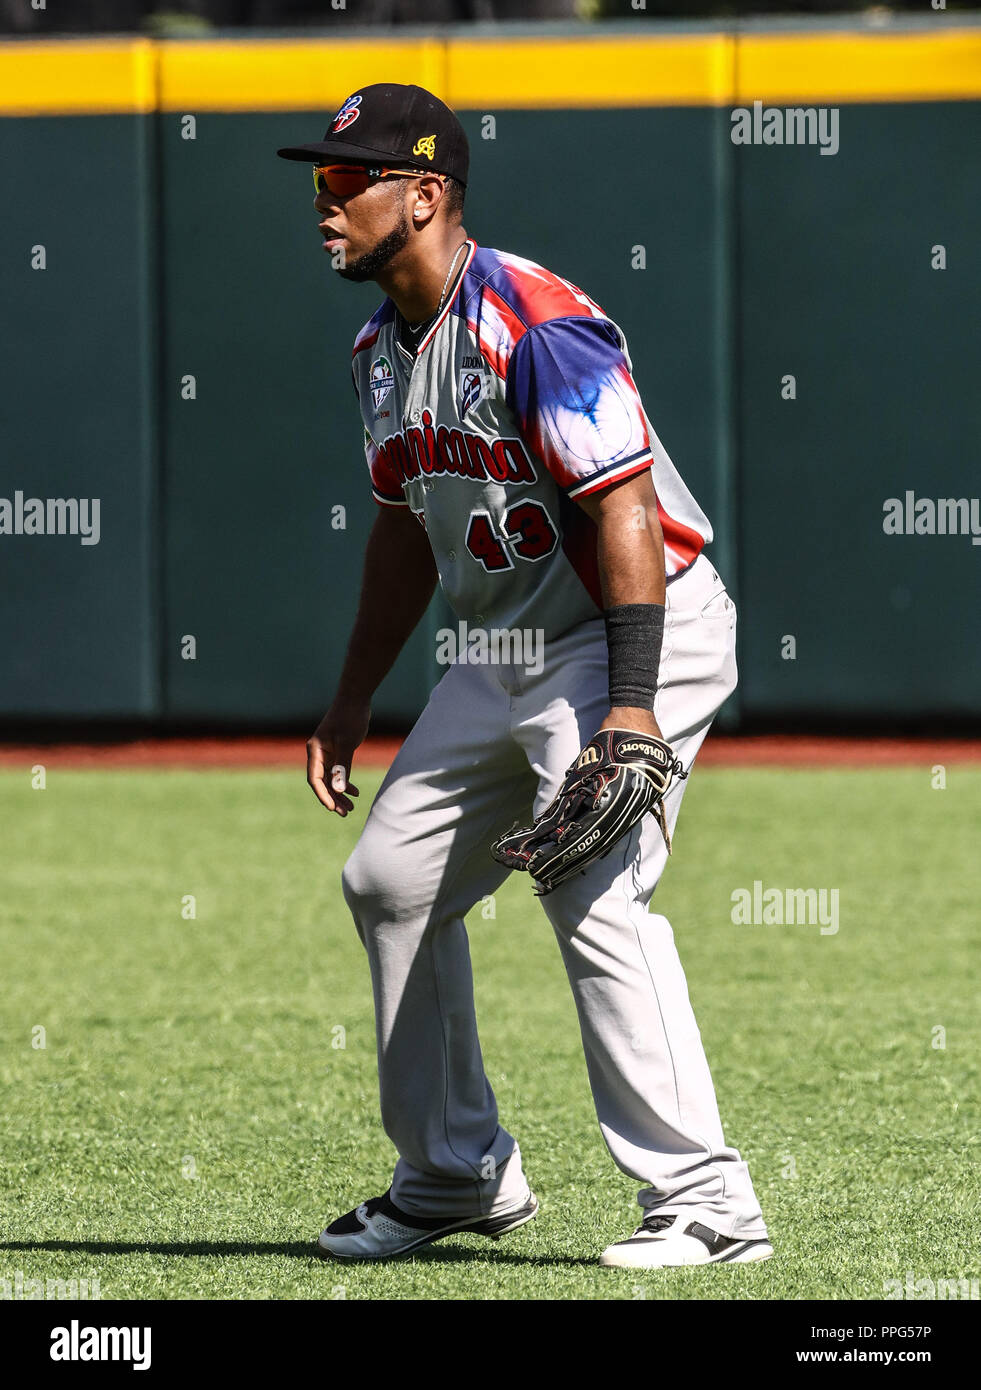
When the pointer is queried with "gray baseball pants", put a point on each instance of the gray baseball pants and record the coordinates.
(492, 740)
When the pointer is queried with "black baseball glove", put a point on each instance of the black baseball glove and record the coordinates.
(618, 777)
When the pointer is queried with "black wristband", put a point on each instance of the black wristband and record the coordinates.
(634, 632)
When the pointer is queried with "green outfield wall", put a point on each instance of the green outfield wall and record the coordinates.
(803, 328)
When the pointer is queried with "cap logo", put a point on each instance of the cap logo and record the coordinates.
(347, 115)
(426, 145)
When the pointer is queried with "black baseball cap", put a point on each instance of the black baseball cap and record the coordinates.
(394, 124)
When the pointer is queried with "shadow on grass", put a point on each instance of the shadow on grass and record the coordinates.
(297, 1250)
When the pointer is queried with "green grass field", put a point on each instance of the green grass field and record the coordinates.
(191, 1123)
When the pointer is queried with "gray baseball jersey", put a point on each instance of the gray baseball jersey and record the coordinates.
(518, 400)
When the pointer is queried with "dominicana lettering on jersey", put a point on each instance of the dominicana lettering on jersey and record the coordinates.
(417, 450)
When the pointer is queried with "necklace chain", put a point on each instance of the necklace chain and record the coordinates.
(416, 330)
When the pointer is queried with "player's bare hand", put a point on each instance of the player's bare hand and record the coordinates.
(630, 718)
(330, 751)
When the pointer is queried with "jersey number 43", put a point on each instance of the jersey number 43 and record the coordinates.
(527, 532)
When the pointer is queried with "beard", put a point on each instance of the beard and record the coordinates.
(366, 267)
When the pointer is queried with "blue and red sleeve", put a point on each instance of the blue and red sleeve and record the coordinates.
(576, 403)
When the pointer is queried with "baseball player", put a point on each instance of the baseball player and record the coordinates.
(512, 463)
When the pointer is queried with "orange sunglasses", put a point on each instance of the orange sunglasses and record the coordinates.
(347, 179)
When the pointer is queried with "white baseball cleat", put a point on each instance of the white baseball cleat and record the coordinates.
(665, 1241)
(379, 1230)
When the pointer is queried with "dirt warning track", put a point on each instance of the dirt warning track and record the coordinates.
(779, 750)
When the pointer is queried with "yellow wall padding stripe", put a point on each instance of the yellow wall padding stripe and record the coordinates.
(62, 77)
(290, 74)
(598, 70)
(782, 69)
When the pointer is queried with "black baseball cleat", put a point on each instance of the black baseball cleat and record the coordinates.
(660, 1242)
(379, 1230)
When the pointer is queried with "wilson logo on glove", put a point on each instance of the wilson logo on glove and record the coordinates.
(617, 778)
(653, 750)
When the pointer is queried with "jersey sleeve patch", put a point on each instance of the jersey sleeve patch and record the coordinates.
(572, 393)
